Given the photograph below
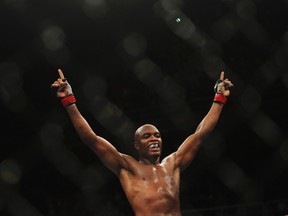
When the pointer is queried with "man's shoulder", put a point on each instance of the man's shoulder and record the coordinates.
(129, 159)
(169, 159)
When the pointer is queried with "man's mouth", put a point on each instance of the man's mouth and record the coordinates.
(154, 145)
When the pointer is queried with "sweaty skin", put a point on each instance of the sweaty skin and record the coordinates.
(151, 185)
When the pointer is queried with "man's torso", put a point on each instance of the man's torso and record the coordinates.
(152, 189)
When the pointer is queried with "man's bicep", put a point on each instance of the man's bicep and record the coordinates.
(187, 151)
(108, 154)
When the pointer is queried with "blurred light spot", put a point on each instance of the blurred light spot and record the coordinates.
(178, 20)
(11, 92)
(252, 191)
(109, 114)
(9, 72)
(169, 11)
(53, 37)
(18, 5)
(51, 134)
(266, 69)
(171, 93)
(125, 129)
(18, 103)
(10, 171)
(232, 176)
(212, 65)
(108, 111)
(280, 58)
(171, 5)
(170, 90)
(111, 117)
(91, 181)
(134, 44)
(245, 9)
(224, 29)
(283, 150)
(58, 57)
(94, 86)
(214, 146)
(148, 73)
(181, 116)
(265, 128)
(1, 203)
(95, 8)
(173, 103)
(254, 32)
(186, 30)
(63, 159)
(285, 40)
(285, 79)
(94, 3)
(250, 99)
(282, 207)
(228, 1)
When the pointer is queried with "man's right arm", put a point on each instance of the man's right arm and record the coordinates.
(106, 152)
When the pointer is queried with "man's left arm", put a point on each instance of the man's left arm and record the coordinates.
(188, 149)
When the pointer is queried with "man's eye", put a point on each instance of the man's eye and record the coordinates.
(146, 135)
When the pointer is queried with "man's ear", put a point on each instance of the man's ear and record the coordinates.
(136, 145)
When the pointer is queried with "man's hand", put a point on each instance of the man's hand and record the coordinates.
(222, 85)
(64, 88)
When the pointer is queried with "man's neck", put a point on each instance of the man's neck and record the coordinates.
(150, 161)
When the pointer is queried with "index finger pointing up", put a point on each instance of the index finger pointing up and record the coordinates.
(222, 75)
(61, 75)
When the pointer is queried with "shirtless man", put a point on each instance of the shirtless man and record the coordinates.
(150, 184)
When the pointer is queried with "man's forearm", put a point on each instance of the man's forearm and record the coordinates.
(80, 124)
(210, 120)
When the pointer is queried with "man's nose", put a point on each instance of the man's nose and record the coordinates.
(153, 137)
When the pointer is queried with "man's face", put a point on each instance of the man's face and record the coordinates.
(148, 141)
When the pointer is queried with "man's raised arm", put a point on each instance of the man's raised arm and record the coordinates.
(107, 153)
(188, 149)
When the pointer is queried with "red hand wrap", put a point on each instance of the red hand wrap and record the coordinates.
(69, 100)
(219, 98)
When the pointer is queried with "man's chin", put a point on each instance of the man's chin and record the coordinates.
(155, 153)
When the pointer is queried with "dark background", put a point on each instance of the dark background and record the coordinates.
(132, 62)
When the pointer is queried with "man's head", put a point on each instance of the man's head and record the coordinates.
(148, 142)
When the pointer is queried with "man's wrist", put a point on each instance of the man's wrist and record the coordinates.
(220, 98)
(68, 100)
